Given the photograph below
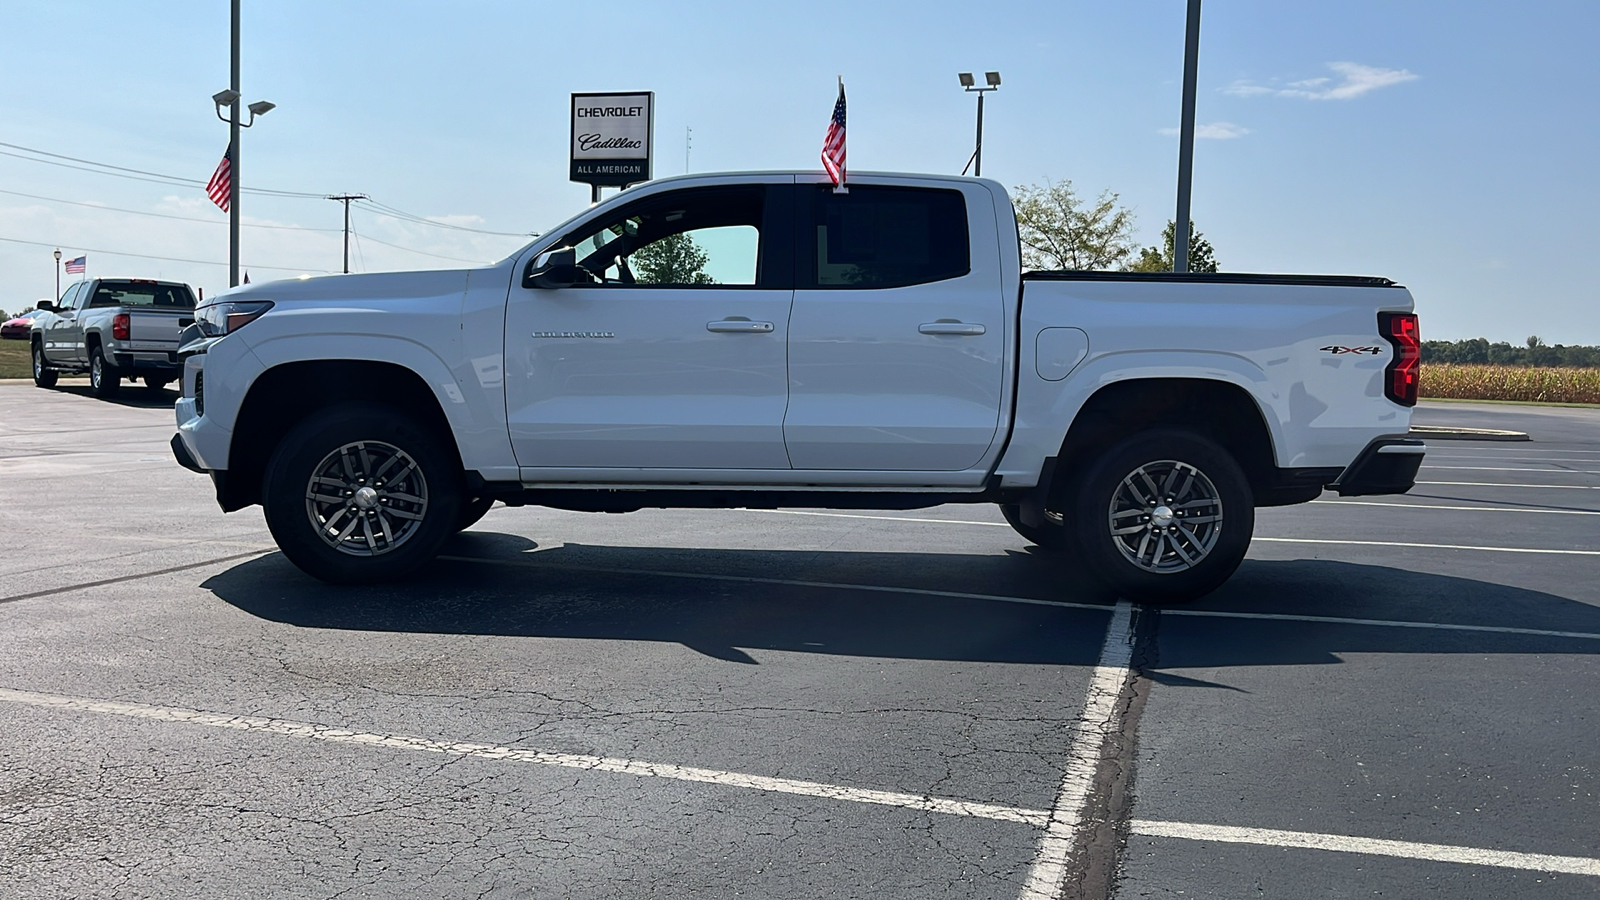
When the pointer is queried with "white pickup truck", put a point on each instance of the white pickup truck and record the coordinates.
(761, 340)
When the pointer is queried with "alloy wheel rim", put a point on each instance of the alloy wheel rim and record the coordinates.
(366, 498)
(38, 362)
(96, 370)
(1165, 516)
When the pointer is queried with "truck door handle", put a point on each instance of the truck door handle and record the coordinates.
(950, 326)
(739, 325)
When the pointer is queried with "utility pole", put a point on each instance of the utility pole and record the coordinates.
(688, 141)
(1191, 65)
(346, 198)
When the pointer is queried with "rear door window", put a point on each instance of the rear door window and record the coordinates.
(881, 237)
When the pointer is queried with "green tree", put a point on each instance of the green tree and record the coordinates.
(1159, 259)
(1061, 232)
(675, 259)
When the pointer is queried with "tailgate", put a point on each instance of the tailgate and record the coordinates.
(156, 329)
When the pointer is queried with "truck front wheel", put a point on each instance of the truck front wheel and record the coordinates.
(361, 494)
(43, 375)
(1163, 516)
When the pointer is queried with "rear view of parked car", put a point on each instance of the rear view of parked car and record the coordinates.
(112, 328)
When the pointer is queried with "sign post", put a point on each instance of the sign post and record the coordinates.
(612, 137)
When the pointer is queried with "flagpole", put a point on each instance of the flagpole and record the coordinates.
(233, 150)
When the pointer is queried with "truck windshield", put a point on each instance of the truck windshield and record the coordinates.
(152, 295)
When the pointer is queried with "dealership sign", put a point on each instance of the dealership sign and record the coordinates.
(611, 137)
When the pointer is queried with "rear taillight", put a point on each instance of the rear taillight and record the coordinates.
(119, 326)
(1404, 371)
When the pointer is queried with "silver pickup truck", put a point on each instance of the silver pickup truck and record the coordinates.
(112, 328)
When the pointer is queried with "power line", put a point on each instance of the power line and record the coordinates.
(118, 169)
(140, 212)
(202, 262)
(368, 237)
(412, 217)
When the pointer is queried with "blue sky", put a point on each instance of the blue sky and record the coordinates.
(1448, 146)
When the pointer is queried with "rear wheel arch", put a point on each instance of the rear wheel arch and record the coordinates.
(288, 393)
(1219, 410)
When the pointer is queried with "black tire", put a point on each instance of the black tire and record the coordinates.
(42, 376)
(1052, 537)
(473, 510)
(103, 378)
(1200, 518)
(156, 384)
(370, 465)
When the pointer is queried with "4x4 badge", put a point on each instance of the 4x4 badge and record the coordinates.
(1338, 350)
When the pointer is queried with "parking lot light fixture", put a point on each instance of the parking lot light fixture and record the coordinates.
(58, 271)
(970, 84)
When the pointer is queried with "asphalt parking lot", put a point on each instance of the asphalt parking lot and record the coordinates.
(1395, 696)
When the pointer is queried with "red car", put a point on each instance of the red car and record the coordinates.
(16, 328)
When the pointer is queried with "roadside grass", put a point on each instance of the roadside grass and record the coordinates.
(14, 361)
(1453, 381)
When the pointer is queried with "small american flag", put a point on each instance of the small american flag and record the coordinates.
(76, 266)
(221, 184)
(833, 144)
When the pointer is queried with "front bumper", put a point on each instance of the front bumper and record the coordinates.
(1388, 465)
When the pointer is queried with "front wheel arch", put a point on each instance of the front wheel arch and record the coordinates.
(285, 394)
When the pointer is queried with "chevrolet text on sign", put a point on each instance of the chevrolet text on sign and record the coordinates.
(611, 137)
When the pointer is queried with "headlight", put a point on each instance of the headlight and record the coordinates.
(228, 316)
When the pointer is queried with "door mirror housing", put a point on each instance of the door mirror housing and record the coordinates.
(554, 270)
(46, 306)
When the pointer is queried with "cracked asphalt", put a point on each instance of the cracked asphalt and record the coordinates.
(827, 649)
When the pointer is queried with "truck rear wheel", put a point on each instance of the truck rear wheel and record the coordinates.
(1163, 516)
(43, 376)
(103, 378)
(1050, 536)
(358, 494)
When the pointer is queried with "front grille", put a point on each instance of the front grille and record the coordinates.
(200, 393)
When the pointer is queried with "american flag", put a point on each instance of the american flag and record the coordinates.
(833, 144)
(221, 184)
(76, 266)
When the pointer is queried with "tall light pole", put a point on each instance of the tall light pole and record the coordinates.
(347, 198)
(992, 80)
(230, 99)
(1191, 65)
(58, 273)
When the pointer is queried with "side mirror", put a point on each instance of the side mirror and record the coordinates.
(554, 270)
(46, 306)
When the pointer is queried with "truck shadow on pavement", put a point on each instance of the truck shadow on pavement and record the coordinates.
(727, 604)
(135, 396)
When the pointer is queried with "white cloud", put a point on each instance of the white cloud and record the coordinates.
(1217, 131)
(1354, 80)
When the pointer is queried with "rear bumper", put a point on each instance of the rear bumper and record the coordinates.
(147, 361)
(1388, 465)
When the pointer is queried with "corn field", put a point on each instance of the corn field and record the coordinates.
(1454, 381)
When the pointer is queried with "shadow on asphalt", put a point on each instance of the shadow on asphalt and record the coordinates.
(515, 588)
(136, 396)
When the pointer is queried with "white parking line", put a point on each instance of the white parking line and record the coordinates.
(1509, 509)
(1002, 598)
(1099, 720)
(1556, 471)
(286, 727)
(1306, 840)
(1489, 458)
(1278, 540)
(1048, 869)
(1564, 487)
(1380, 623)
